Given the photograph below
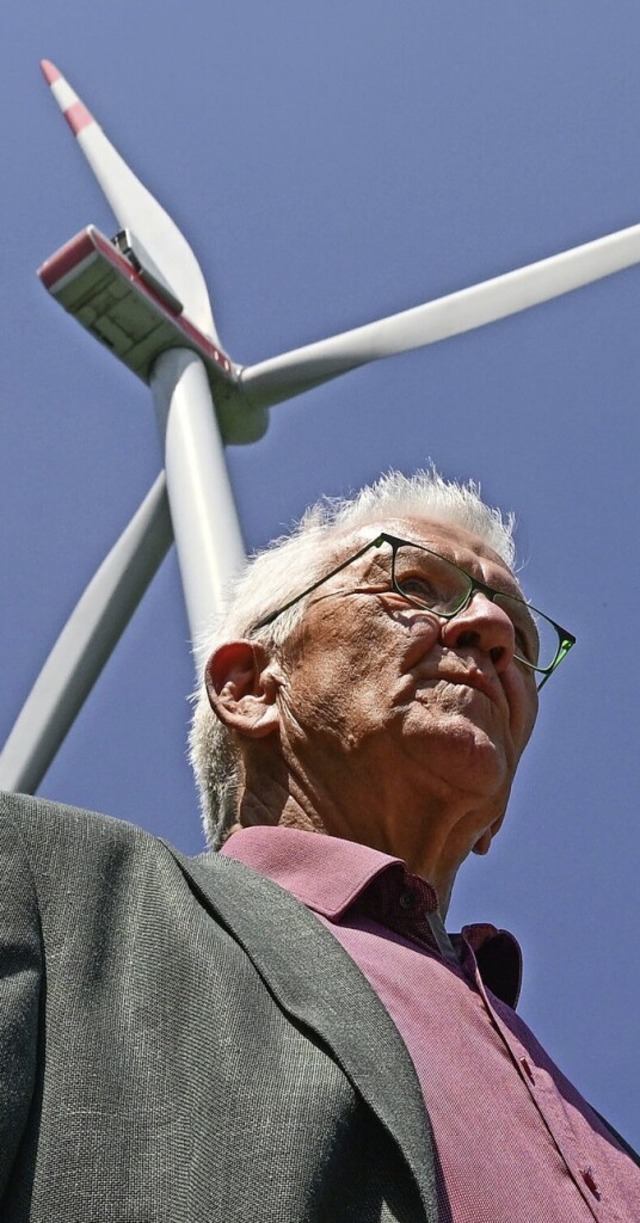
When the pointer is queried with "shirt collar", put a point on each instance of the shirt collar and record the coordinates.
(330, 875)
(327, 874)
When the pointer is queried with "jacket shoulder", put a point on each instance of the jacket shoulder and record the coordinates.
(76, 856)
(45, 818)
(73, 853)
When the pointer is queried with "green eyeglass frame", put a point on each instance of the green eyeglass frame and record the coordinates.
(564, 640)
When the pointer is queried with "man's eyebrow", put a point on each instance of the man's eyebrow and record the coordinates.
(507, 583)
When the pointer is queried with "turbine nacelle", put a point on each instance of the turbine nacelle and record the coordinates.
(119, 295)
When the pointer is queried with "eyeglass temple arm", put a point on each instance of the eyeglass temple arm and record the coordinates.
(375, 543)
(567, 640)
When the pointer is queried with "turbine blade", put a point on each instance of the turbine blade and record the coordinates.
(291, 373)
(85, 643)
(154, 235)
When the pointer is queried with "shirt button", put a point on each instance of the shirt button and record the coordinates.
(407, 899)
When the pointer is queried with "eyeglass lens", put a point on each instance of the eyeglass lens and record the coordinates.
(431, 581)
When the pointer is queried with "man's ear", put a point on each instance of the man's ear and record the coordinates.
(242, 688)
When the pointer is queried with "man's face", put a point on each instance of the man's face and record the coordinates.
(404, 704)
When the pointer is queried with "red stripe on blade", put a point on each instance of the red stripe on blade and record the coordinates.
(49, 72)
(78, 117)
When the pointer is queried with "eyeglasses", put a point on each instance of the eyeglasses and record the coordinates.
(427, 580)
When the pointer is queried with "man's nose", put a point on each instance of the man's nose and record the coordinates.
(484, 626)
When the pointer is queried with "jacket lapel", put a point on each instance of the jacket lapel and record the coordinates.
(315, 981)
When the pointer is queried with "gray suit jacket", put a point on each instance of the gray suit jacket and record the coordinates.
(180, 1040)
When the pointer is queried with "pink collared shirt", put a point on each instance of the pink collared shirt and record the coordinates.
(515, 1141)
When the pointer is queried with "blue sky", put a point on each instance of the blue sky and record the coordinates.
(330, 164)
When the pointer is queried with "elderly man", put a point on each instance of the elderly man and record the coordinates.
(283, 1030)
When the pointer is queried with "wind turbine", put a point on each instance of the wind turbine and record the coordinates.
(144, 296)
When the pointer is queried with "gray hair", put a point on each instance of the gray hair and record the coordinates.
(276, 574)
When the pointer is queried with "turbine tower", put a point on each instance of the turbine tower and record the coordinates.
(143, 295)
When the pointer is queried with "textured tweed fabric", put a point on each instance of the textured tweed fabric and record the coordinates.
(180, 1040)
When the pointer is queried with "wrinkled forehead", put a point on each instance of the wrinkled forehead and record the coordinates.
(448, 539)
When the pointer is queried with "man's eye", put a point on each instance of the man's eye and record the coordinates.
(419, 588)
